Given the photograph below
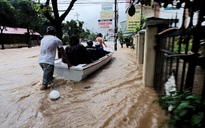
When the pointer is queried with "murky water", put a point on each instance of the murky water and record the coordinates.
(112, 97)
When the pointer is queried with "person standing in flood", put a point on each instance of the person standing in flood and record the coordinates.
(100, 40)
(46, 59)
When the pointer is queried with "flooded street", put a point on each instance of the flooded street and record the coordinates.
(111, 97)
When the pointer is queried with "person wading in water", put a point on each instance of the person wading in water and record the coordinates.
(100, 40)
(46, 59)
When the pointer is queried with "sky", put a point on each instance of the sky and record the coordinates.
(89, 12)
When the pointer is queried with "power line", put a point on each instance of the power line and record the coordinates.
(77, 3)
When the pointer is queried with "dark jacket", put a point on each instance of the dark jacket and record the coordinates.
(77, 54)
(92, 51)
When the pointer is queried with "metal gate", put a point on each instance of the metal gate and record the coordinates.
(181, 52)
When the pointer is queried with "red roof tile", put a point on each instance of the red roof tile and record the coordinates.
(20, 31)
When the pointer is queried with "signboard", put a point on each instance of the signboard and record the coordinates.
(105, 24)
(106, 15)
(106, 8)
(111, 32)
(133, 21)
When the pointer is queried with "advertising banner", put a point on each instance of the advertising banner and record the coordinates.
(134, 20)
(105, 24)
(106, 15)
(107, 8)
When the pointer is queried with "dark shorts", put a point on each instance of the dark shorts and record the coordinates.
(48, 71)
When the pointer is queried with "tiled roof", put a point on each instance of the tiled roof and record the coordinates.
(20, 31)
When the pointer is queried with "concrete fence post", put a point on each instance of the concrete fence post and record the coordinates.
(135, 41)
(149, 56)
(141, 47)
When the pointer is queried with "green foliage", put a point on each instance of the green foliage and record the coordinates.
(52, 14)
(138, 27)
(92, 36)
(85, 33)
(7, 13)
(128, 40)
(132, 46)
(25, 9)
(120, 37)
(188, 110)
(73, 27)
(41, 9)
(21, 13)
(65, 38)
(183, 45)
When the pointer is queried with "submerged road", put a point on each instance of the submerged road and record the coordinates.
(112, 97)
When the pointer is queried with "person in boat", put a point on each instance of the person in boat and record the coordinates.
(76, 52)
(100, 40)
(90, 44)
(91, 50)
(100, 51)
(46, 58)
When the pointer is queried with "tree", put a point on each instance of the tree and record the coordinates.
(86, 34)
(73, 27)
(6, 17)
(21, 13)
(93, 36)
(42, 20)
(24, 8)
(53, 14)
(6, 13)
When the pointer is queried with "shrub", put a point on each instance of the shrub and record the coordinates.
(187, 111)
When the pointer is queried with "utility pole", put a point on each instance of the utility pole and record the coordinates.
(77, 15)
(116, 26)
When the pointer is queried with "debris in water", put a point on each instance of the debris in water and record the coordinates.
(54, 95)
(87, 87)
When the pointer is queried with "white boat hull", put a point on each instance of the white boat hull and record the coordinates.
(79, 72)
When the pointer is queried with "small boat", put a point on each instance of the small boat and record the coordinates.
(79, 72)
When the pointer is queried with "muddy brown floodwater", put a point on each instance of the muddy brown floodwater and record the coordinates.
(112, 97)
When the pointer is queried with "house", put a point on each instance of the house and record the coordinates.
(17, 37)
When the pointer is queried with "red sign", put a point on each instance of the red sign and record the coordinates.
(105, 24)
